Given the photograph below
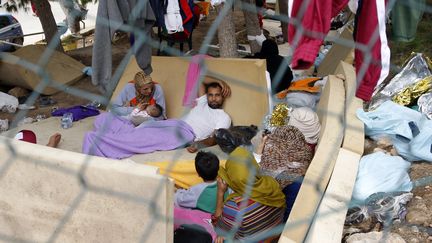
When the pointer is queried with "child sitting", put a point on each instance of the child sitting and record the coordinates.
(201, 196)
(149, 113)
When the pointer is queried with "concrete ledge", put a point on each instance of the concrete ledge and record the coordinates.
(51, 194)
(331, 114)
(354, 136)
(330, 218)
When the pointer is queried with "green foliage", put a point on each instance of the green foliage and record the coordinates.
(400, 51)
(85, 2)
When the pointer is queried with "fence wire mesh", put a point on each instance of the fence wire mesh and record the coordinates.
(205, 45)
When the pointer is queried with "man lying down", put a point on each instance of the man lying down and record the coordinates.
(117, 137)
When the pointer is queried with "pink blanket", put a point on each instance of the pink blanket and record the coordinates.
(193, 216)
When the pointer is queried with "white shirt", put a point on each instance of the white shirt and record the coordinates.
(204, 120)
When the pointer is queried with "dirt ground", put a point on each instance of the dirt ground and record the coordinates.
(418, 226)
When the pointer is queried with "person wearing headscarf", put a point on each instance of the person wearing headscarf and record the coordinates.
(307, 121)
(286, 155)
(255, 199)
(142, 90)
(270, 52)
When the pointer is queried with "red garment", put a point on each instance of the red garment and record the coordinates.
(317, 18)
(261, 9)
(370, 24)
(370, 18)
(33, 7)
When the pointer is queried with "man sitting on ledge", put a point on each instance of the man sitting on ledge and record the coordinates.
(116, 137)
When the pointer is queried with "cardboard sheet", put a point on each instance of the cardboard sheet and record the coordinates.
(61, 69)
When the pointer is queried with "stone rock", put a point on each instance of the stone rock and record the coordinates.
(4, 125)
(417, 217)
(413, 240)
(18, 92)
(375, 237)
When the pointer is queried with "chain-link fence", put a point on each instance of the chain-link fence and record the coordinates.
(56, 195)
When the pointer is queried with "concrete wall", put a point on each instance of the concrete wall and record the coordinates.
(52, 194)
(249, 100)
(329, 223)
(331, 113)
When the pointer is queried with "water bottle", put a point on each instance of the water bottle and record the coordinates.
(66, 120)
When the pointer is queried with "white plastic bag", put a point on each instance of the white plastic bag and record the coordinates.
(8, 103)
(379, 172)
(409, 130)
(389, 119)
(420, 146)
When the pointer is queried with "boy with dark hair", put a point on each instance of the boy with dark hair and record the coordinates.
(201, 196)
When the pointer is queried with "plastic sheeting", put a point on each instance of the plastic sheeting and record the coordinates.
(415, 70)
(383, 206)
(420, 146)
(409, 130)
(379, 172)
(425, 104)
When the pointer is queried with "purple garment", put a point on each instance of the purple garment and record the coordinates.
(116, 137)
(79, 112)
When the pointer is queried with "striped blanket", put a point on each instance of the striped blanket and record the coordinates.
(257, 218)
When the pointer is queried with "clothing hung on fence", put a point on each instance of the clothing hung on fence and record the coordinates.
(372, 67)
(117, 13)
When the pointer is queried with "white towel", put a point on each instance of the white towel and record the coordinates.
(173, 18)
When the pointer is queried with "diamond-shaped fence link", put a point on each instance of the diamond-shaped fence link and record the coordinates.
(16, 158)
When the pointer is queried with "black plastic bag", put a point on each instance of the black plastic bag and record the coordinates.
(230, 139)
